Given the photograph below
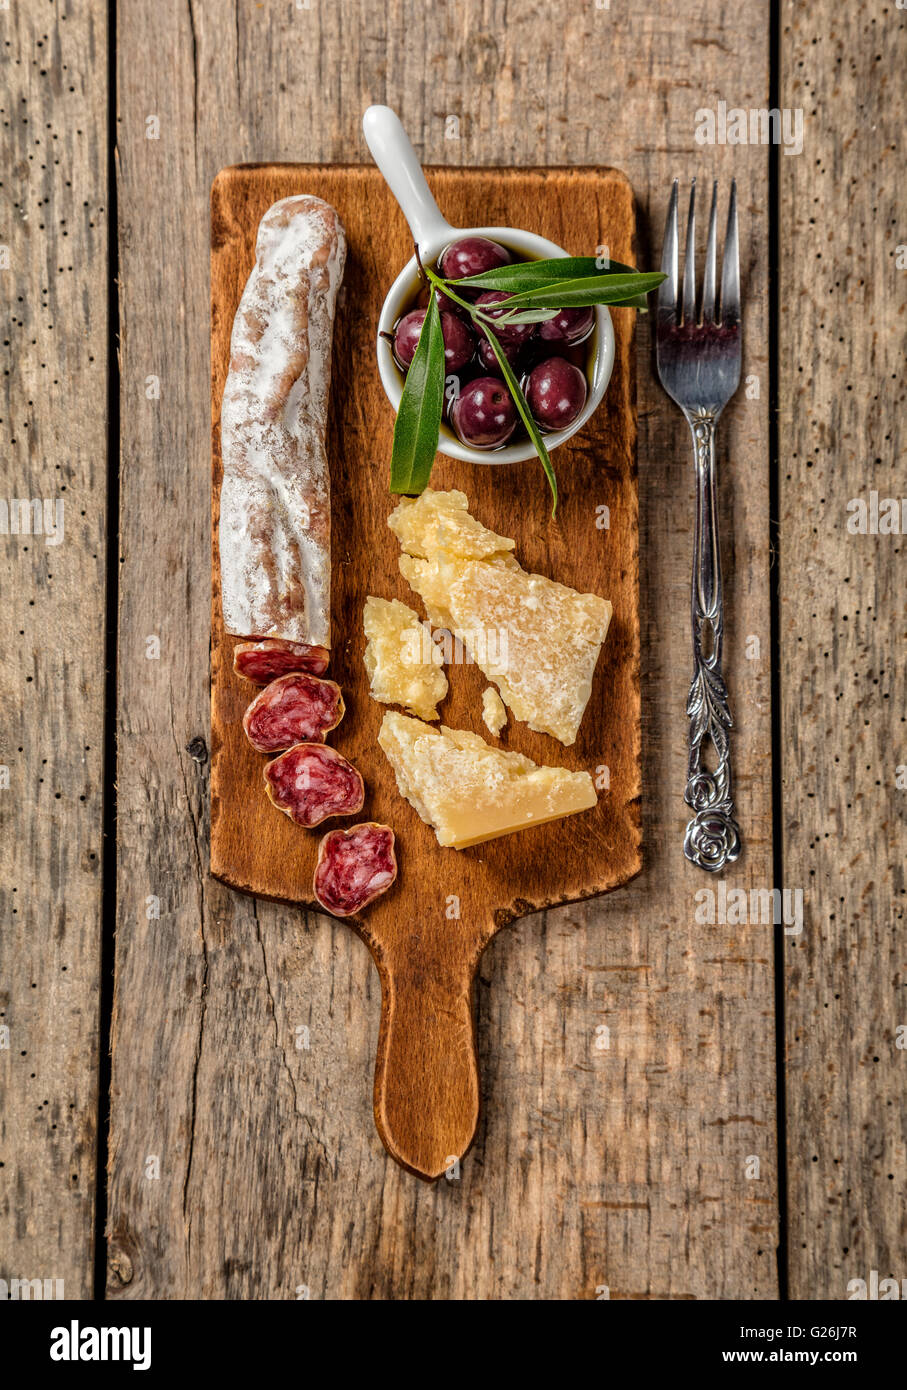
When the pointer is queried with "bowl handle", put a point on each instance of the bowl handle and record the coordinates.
(397, 160)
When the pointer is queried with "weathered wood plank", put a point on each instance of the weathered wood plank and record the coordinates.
(53, 243)
(843, 687)
(622, 1166)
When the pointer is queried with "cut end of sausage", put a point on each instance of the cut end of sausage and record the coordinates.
(311, 782)
(354, 868)
(297, 708)
(263, 661)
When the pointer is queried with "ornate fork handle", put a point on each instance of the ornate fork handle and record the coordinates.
(712, 837)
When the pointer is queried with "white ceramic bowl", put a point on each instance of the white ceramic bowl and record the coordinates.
(397, 161)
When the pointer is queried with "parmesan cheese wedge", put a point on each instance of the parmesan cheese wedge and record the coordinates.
(404, 666)
(470, 792)
(536, 639)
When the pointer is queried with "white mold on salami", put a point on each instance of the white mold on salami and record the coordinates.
(311, 782)
(275, 528)
(297, 708)
(263, 662)
(354, 867)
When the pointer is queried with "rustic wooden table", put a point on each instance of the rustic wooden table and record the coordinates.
(744, 1133)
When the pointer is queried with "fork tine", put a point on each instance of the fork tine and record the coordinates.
(667, 290)
(689, 262)
(730, 269)
(711, 261)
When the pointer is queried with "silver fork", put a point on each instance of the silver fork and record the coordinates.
(698, 357)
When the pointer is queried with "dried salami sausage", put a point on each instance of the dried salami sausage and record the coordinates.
(263, 662)
(293, 709)
(275, 511)
(311, 782)
(354, 867)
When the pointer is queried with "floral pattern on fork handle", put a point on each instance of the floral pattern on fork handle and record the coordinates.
(712, 838)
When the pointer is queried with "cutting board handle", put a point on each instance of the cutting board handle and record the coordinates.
(426, 1074)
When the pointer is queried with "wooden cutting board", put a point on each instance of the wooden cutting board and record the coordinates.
(427, 933)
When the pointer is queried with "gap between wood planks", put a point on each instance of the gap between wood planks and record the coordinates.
(112, 599)
(774, 582)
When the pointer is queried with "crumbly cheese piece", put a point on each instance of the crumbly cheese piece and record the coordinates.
(470, 792)
(494, 715)
(431, 579)
(404, 666)
(536, 639)
(439, 523)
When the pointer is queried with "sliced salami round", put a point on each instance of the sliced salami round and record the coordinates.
(264, 661)
(354, 867)
(293, 709)
(311, 782)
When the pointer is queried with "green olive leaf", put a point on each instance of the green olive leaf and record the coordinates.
(523, 316)
(591, 289)
(525, 275)
(519, 401)
(418, 424)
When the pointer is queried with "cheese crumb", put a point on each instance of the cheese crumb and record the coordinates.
(494, 715)
(403, 664)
